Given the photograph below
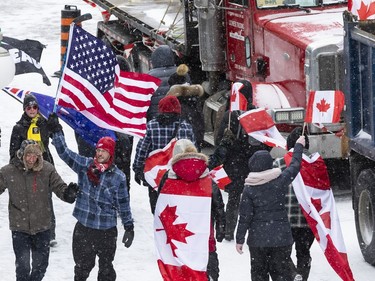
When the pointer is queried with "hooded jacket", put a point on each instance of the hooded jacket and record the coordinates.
(190, 97)
(163, 66)
(262, 210)
(29, 192)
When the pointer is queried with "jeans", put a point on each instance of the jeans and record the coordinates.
(38, 246)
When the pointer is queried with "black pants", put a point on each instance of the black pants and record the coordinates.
(213, 267)
(89, 243)
(231, 212)
(153, 196)
(38, 246)
(303, 239)
(271, 261)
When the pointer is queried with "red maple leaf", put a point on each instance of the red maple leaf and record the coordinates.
(365, 11)
(176, 232)
(323, 106)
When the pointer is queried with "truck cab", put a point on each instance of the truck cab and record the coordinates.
(284, 48)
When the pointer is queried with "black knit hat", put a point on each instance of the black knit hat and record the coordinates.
(180, 76)
(293, 137)
(29, 100)
(260, 161)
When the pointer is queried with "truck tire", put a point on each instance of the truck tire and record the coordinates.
(364, 203)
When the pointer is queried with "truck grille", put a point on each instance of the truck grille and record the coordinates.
(331, 71)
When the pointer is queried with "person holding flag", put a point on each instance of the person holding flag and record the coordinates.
(231, 137)
(263, 215)
(160, 131)
(302, 235)
(102, 197)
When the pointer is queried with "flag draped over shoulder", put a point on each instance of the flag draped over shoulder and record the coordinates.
(364, 9)
(182, 228)
(312, 189)
(93, 84)
(26, 55)
(259, 125)
(324, 107)
(79, 123)
(157, 163)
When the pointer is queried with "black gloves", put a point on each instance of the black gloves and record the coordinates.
(228, 138)
(220, 232)
(220, 236)
(53, 124)
(128, 236)
(70, 192)
(139, 176)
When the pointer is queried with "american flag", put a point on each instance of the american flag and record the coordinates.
(93, 84)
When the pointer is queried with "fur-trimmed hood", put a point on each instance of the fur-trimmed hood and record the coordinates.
(35, 149)
(186, 90)
(189, 166)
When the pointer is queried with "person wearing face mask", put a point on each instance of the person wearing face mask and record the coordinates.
(102, 196)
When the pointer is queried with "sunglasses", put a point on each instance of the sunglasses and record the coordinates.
(35, 107)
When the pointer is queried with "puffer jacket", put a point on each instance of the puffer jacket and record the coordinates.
(262, 209)
(19, 134)
(190, 98)
(29, 194)
(163, 66)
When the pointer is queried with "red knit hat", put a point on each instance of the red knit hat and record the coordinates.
(108, 144)
(169, 104)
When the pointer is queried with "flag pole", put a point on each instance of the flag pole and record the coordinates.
(303, 129)
(77, 20)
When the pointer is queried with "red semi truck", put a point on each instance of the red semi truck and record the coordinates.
(285, 48)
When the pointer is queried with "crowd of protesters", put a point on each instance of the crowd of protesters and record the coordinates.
(257, 194)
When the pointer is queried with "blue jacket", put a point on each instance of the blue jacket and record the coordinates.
(262, 209)
(96, 206)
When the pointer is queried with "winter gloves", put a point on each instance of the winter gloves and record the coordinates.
(128, 236)
(70, 193)
(53, 124)
(139, 176)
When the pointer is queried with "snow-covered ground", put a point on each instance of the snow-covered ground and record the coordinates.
(40, 20)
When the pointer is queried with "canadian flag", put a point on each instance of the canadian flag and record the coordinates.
(182, 228)
(157, 163)
(220, 177)
(237, 100)
(312, 189)
(364, 9)
(324, 107)
(259, 125)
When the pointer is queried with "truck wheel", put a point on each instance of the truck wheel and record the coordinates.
(364, 214)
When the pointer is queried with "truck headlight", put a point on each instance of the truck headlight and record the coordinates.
(288, 115)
